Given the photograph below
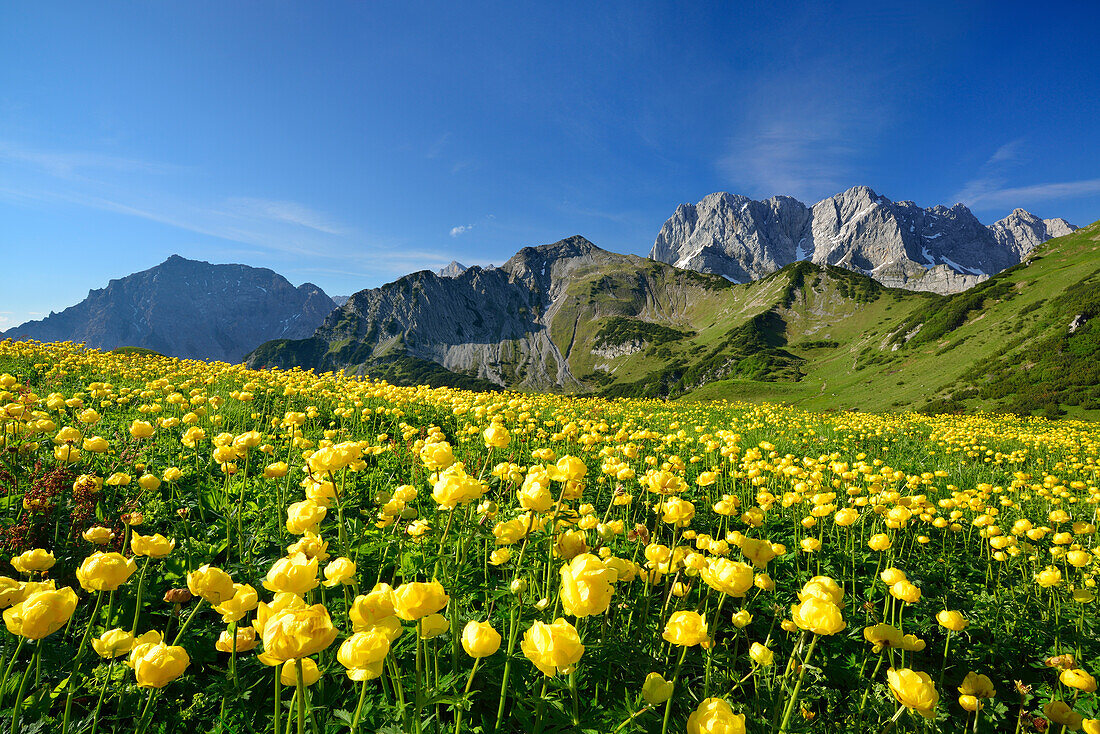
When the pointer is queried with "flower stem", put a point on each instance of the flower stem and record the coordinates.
(469, 684)
(301, 696)
(22, 685)
(797, 687)
(71, 684)
(675, 678)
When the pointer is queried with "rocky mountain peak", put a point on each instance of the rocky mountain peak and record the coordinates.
(188, 308)
(941, 249)
(452, 270)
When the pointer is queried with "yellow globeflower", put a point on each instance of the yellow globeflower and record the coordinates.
(297, 633)
(149, 482)
(714, 716)
(417, 599)
(906, 592)
(364, 652)
(276, 470)
(281, 602)
(686, 629)
(553, 648)
(1079, 679)
(817, 616)
(952, 620)
(98, 535)
(586, 587)
(105, 571)
(728, 577)
(154, 546)
(761, 655)
(914, 690)
(368, 609)
(212, 584)
(243, 601)
(95, 444)
(41, 614)
(157, 665)
(879, 542)
(296, 574)
(141, 429)
(1060, 713)
(246, 640)
(1048, 577)
(304, 516)
(433, 626)
(656, 690)
(479, 639)
(976, 684)
(496, 436)
(288, 676)
(33, 560)
(113, 643)
(340, 571)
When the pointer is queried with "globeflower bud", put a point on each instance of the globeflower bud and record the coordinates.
(656, 690)
(98, 535)
(479, 639)
(288, 675)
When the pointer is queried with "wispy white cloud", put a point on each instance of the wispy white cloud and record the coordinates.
(437, 146)
(990, 188)
(809, 139)
(993, 174)
(461, 229)
(1017, 195)
(73, 164)
(284, 211)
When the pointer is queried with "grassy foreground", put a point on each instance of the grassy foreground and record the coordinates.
(198, 547)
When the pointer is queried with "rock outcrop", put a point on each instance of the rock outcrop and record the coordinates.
(189, 309)
(898, 243)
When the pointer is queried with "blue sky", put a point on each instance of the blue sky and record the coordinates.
(349, 143)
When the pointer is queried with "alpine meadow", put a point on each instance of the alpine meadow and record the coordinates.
(549, 368)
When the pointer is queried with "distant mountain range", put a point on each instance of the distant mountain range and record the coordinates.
(571, 317)
(822, 319)
(899, 244)
(187, 308)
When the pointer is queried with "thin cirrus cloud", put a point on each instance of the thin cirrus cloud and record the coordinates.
(73, 164)
(38, 177)
(990, 188)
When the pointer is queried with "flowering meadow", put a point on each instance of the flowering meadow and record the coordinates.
(200, 547)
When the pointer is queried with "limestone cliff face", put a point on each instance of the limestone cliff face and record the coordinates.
(1022, 231)
(190, 309)
(529, 323)
(940, 249)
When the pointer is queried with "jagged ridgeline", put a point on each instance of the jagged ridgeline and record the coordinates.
(571, 317)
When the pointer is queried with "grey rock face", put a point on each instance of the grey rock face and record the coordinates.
(1022, 231)
(734, 236)
(898, 243)
(519, 325)
(189, 309)
(453, 270)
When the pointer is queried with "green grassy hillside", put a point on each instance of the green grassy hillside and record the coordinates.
(1005, 344)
